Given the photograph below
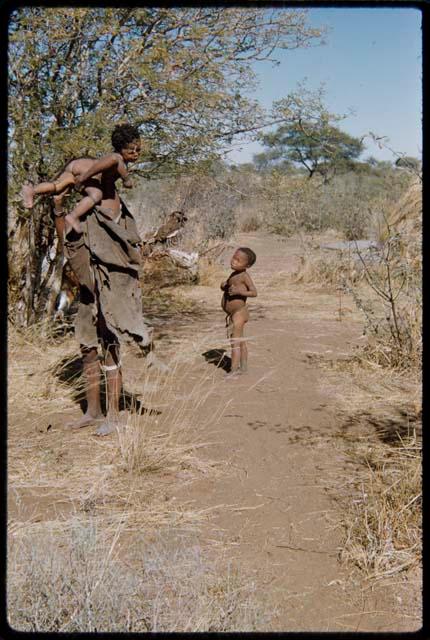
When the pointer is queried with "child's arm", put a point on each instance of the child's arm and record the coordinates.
(243, 288)
(252, 291)
(223, 285)
(99, 166)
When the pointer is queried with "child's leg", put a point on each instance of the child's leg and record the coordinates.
(239, 320)
(93, 197)
(63, 182)
(243, 356)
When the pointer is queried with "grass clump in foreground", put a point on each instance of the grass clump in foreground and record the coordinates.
(383, 523)
(85, 582)
(114, 558)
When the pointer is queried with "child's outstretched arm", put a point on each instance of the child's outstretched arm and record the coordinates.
(103, 164)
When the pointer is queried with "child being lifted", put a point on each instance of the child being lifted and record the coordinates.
(90, 176)
(237, 288)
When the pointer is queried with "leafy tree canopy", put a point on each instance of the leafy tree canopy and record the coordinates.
(309, 137)
(181, 74)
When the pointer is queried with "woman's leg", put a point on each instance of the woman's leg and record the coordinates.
(59, 219)
(91, 375)
(114, 378)
(112, 368)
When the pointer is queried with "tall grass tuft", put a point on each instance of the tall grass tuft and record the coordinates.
(383, 523)
(84, 581)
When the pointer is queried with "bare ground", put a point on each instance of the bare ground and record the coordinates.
(273, 510)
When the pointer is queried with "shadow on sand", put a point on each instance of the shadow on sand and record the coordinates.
(219, 358)
(70, 372)
(392, 430)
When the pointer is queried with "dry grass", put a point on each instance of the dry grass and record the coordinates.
(168, 303)
(363, 386)
(326, 269)
(211, 273)
(402, 351)
(160, 272)
(78, 506)
(166, 437)
(248, 221)
(380, 418)
(388, 295)
(386, 287)
(383, 523)
(163, 434)
(88, 580)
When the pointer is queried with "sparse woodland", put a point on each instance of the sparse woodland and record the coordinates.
(180, 75)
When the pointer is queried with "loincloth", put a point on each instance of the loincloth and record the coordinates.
(106, 259)
(229, 325)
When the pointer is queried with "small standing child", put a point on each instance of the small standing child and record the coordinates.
(237, 288)
(87, 175)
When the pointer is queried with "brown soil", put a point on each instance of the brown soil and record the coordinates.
(274, 512)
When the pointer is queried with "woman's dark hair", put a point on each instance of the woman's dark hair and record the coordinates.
(123, 134)
(249, 254)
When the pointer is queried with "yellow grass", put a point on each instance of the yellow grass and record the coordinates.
(95, 539)
(380, 420)
(211, 274)
(383, 522)
(87, 580)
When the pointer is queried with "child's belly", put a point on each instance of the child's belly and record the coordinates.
(231, 306)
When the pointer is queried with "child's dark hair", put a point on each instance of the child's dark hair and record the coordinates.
(249, 254)
(123, 134)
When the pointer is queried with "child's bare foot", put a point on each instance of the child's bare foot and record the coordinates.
(73, 223)
(84, 421)
(243, 366)
(27, 194)
(233, 374)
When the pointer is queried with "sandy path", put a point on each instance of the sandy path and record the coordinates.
(272, 508)
(277, 438)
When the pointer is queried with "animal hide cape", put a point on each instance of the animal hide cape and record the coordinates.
(106, 259)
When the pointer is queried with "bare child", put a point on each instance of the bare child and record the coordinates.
(237, 288)
(89, 175)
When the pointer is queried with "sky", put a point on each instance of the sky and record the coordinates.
(372, 64)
